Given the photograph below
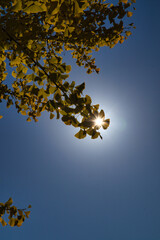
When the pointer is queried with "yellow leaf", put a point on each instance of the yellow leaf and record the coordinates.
(101, 114)
(19, 222)
(95, 135)
(20, 212)
(121, 41)
(14, 74)
(29, 119)
(51, 115)
(18, 6)
(1, 116)
(68, 68)
(106, 123)
(88, 99)
(9, 202)
(12, 222)
(23, 113)
(128, 33)
(27, 213)
(3, 223)
(33, 9)
(129, 14)
(124, 1)
(81, 134)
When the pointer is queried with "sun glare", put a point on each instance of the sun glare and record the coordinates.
(98, 122)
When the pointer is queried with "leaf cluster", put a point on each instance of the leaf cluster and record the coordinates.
(16, 216)
(33, 37)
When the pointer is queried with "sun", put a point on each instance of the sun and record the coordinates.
(98, 122)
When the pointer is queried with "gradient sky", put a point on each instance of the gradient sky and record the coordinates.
(93, 189)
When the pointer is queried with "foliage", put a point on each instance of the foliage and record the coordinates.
(16, 216)
(33, 37)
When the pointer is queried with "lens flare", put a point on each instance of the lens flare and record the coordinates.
(98, 122)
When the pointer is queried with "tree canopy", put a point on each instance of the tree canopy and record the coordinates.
(33, 36)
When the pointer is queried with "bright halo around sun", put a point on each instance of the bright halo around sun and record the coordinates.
(98, 122)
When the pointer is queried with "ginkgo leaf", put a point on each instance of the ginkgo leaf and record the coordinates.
(27, 213)
(20, 212)
(29, 119)
(9, 202)
(52, 115)
(124, 1)
(12, 222)
(81, 134)
(88, 99)
(95, 135)
(3, 223)
(18, 6)
(19, 223)
(106, 123)
(23, 113)
(36, 38)
(33, 9)
(68, 68)
(128, 33)
(101, 114)
(129, 14)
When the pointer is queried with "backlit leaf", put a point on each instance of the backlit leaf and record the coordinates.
(9, 202)
(81, 134)
(27, 213)
(12, 222)
(3, 223)
(52, 115)
(18, 6)
(129, 14)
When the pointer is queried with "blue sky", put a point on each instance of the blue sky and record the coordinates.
(93, 189)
